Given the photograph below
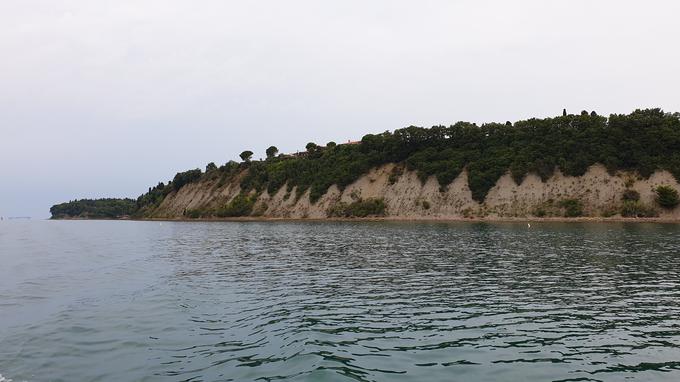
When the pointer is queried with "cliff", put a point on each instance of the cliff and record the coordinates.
(596, 193)
(566, 166)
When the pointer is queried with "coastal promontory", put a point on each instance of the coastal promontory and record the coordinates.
(572, 165)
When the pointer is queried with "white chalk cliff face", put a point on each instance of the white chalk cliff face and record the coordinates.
(409, 198)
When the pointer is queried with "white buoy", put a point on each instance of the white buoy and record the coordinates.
(528, 225)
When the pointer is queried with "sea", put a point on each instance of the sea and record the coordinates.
(339, 301)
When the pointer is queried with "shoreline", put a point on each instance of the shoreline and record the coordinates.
(583, 219)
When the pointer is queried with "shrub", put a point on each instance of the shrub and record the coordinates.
(360, 208)
(241, 205)
(540, 212)
(630, 195)
(193, 214)
(339, 209)
(609, 212)
(260, 210)
(667, 196)
(572, 208)
(635, 209)
(426, 205)
(396, 172)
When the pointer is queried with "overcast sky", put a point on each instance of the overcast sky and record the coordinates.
(106, 98)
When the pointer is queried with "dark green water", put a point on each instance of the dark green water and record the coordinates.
(149, 301)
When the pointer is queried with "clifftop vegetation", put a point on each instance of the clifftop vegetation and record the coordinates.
(645, 140)
(642, 141)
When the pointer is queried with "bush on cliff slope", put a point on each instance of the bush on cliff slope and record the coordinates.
(667, 197)
(241, 205)
(636, 209)
(360, 208)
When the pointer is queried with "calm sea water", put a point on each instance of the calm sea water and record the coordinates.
(150, 301)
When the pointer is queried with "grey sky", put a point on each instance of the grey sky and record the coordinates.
(105, 98)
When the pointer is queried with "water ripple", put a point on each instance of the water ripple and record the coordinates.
(340, 301)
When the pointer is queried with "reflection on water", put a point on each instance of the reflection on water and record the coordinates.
(86, 301)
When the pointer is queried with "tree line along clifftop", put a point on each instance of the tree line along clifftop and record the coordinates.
(643, 141)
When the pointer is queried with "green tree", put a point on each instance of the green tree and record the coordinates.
(246, 155)
(313, 150)
(211, 167)
(272, 151)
